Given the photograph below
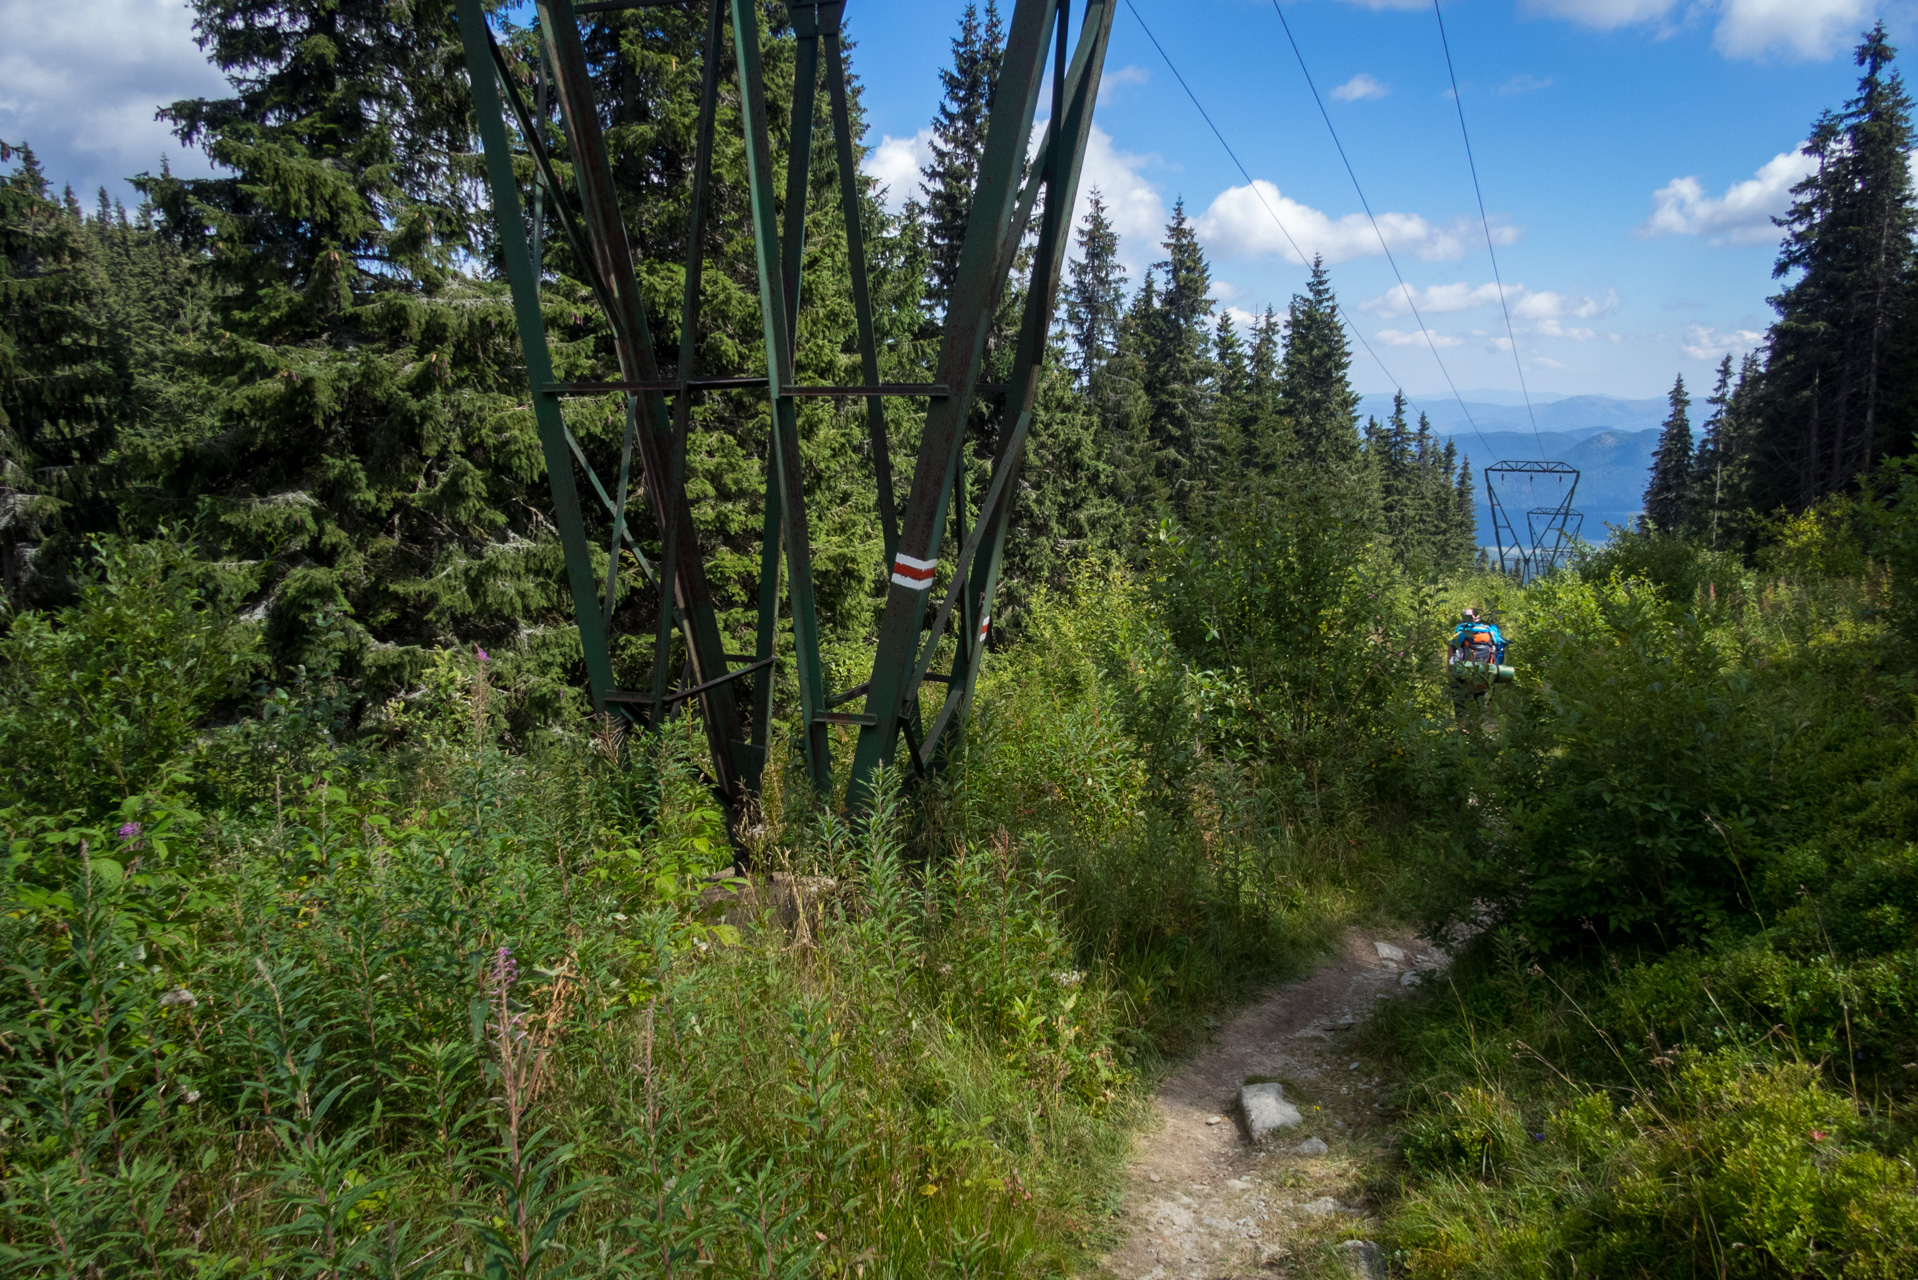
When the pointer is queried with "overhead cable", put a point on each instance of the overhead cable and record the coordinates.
(1277, 221)
(1365, 204)
(1497, 281)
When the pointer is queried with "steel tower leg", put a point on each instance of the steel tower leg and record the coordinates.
(585, 210)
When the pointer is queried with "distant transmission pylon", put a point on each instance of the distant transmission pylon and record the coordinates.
(1550, 531)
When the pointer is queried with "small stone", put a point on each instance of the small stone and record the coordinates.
(1411, 977)
(1389, 952)
(1311, 1147)
(1321, 1207)
(1153, 1177)
(1266, 1110)
(1216, 1120)
(1363, 1260)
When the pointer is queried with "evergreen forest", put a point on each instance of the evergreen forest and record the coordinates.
(338, 938)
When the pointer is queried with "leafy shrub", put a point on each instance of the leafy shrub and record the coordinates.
(101, 699)
(1719, 1167)
(1653, 763)
(1682, 570)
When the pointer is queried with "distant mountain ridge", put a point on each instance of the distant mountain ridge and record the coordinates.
(1570, 415)
(1610, 440)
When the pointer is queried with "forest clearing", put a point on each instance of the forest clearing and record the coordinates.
(972, 767)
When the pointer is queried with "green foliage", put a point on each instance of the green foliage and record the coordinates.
(1670, 501)
(56, 375)
(1716, 1166)
(1679, 1042)
(102, 700)
(429, 1004)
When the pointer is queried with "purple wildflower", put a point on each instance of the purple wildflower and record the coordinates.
(505, 971)
(482, 654)
(130, 831)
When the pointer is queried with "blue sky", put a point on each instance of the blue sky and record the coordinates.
(1631, 153)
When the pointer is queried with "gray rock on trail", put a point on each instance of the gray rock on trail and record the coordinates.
(1389, 952)
(1363, 1260)
(1267, 1111)
(1311, 1147)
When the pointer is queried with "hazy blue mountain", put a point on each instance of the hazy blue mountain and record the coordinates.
(1609, 440)
(1613, 468)
(1567, 415)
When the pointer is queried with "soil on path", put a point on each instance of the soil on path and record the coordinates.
(1201, 1202)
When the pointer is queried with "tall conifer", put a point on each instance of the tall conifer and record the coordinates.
(1463, 546)
(1708, 460)
(1176, 351)
(1094, 295)
(1849, 250)
(959, 142)
(56, 383)
(1315, 392)
(1668, 498)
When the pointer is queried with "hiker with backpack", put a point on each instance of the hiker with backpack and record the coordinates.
(1476, 641)
(1475, 656)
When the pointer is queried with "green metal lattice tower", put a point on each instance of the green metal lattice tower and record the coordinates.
(1006, 211)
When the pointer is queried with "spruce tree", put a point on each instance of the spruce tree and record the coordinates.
(1405, 496)
(1264, 439)
(361, 431)
(1315, 393)
(1830, 375)
(1232, 389)
(1125, 408)
(958, 143)
(1430, 517)
(1176, 356)
(1462, 545)
(58, 388)
(1094, 295)
(1668, 498)
(1708, 462)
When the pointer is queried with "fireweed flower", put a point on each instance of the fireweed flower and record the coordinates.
(482, 655)
(505, 971)
(130, 831)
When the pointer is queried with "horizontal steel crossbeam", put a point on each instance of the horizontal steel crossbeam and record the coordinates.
(1018, 200)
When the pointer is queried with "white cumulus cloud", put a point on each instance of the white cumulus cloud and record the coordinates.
(1743, 215)
(895, 164)
(1751, 29)
(1112, 81)
(1702, 342)
(1240, 222)
(1417, 338)
(1546, 305)
(1359, 87)
(1542, 312)
(1135, 206)
(1805, 29)
(80, 83)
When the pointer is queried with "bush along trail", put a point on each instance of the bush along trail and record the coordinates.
(339, 942)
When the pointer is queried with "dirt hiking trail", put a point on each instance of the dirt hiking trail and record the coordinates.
(1201, 1202)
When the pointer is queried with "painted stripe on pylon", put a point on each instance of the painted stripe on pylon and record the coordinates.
(912, 572)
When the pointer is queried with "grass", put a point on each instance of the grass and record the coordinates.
(443, 1006)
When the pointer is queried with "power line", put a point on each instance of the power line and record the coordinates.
(1276, 220)
(1365, 204)
(1498, 282)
